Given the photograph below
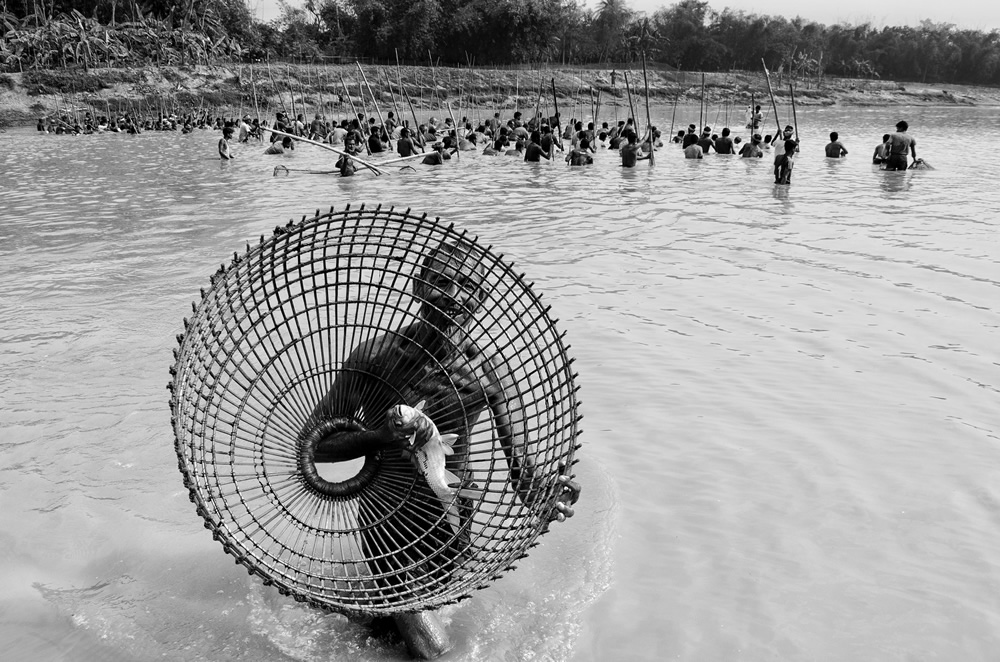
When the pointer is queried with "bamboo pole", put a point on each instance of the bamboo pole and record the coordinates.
(374, 101)
(291, 92)
(277, 91)
(416, 123)
(673, 115)
(628, 91)
(555, 102)
(388, 86)
(353, 110)
(795, 120)
(333, 149)
(649, 123)
(701, 106)
(458, 151)
(774, 104)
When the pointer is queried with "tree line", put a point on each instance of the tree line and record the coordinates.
(688, 35)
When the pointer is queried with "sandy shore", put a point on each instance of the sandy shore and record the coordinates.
(251, 88)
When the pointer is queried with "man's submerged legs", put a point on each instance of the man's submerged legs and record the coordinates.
(424, 634)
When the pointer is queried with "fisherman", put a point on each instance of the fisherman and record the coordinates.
(244, 129)
(752, 149)
(317, 129)
(286, 145)
(377, 140)
(437, 155)
(881, 151)
(519, 149)
(404, 146)
(756, 119)
(345, 164)
(724, 145)
(784, 163)
(534, 153)
(549, 141)
(630, 152)
(279, 125)
(351, 145)
(338, 133)
(433, 360)
(224, 152)
(779, 140)
(705, 142)
(694, 151)
(899, 144)
(835, 149)
(691, 137)
(581, 155)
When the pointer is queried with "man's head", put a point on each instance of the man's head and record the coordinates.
(725, 132)
(902, 126)
(833, 136)
(450, 284)
(789, 130)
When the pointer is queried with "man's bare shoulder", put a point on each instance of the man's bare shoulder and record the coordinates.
(379, 347)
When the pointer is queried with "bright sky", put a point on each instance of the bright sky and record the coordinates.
(975, 14)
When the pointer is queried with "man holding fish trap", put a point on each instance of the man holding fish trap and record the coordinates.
(412, 397)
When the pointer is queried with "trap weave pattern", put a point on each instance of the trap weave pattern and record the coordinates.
(269, 339)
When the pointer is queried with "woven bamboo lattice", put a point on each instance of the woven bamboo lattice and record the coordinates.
(305, 310)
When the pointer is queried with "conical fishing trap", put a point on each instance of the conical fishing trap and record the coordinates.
(280, 392)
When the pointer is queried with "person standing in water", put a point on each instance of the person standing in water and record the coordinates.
(899, 144)
(835, 149)
(783, 164)
(433, 360)
(225, 153)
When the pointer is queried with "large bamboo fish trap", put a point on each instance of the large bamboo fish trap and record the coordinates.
(270, 337)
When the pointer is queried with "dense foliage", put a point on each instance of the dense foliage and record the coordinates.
(689, 35)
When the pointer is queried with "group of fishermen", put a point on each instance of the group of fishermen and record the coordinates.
(126, 122)
(539, 138)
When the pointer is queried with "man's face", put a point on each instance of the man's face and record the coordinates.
(450, 286)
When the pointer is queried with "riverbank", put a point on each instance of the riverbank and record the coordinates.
(307, 89)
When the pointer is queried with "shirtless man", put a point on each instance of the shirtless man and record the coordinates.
(581, 155)
(881, 151)
(432, 360)
(752, 149)
(724, 145)
(630, 152)
(534, 153)
(899, 144)
(835, 149)
(437, 155)
(224, 152)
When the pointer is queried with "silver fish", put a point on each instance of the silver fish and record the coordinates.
(429, 457)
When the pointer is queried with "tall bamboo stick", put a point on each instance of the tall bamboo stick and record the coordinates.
(774, 104)
(378, 111)
(649, 123)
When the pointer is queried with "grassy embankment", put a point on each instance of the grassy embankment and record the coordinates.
(229, 90)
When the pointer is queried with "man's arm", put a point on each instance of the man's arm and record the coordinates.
(336, 419)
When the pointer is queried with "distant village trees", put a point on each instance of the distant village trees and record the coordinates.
(689, 35)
